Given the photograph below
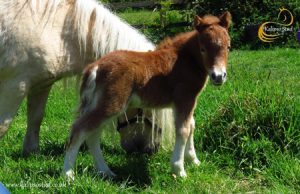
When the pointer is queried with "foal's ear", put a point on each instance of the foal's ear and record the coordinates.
(197, 22)
(225, 19)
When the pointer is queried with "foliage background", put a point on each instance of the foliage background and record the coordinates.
(247, 15)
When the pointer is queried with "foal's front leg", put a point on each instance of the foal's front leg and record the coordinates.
(183, 116)
(177, 160)
(190, 153)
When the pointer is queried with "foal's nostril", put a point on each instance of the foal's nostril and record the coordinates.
(213, 76)
(224, 75)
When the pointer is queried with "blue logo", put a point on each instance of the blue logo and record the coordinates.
(298, 35)
(3, 189)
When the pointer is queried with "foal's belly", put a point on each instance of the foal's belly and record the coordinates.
(137, 101)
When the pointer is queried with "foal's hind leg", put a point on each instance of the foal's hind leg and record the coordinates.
(94, 147)
(190, 153)
(79, 133)
(87, 126)
(76, 139)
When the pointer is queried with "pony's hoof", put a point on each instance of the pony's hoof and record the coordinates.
(28, 150)
(70, 175)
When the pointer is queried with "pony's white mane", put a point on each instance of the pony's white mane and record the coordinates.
(109, 32)
(93, 23)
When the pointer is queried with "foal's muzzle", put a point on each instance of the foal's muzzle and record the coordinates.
(218, 77)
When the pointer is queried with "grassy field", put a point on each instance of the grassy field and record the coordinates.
(149, 22)
(247, 138)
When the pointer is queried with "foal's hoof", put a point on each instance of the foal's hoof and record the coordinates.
(192, 159)
(178, 170)
(196, 162)
(70, 175)
(107, 174)
(181, 174)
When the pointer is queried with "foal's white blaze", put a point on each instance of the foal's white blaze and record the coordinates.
(219, 42)
(219, 70)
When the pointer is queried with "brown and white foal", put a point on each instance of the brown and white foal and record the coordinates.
(172, 75)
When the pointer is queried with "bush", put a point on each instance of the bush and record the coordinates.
(247, 13)
(251, 128)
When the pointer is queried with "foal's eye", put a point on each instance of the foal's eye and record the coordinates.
(228, 48)
(202, 50)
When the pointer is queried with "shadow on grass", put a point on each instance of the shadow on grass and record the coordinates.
(53, 149)
(133, 170)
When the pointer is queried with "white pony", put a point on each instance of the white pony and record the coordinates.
(42, 41)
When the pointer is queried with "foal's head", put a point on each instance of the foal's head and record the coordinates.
(214, 44)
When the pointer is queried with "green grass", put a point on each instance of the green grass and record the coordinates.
(247, 138)
(146, 17)
(140, 17)
(150, 23)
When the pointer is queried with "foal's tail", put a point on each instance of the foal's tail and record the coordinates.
(87, 91)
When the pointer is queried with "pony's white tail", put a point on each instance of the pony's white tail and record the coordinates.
(165, 119)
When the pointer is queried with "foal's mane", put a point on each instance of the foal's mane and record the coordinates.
(177, 41)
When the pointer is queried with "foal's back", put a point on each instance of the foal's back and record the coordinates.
(122, 73)
(141, 65)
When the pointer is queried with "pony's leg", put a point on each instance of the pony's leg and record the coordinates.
(36, 105)
(190, 153)
(11, 96)
(93, 143)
